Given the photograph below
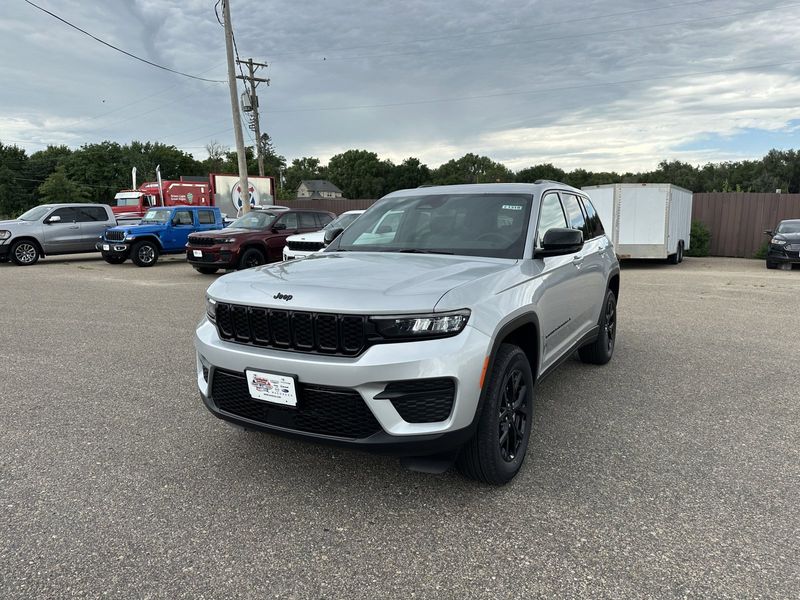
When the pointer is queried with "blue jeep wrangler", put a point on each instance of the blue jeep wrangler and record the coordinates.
(162, 230)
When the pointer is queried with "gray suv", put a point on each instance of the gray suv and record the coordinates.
(425, 341)
(53, 229)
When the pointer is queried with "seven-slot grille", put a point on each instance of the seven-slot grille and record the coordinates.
(115, 236)
(339, 412)
(305, 246)
(201, 241)
(292, 330)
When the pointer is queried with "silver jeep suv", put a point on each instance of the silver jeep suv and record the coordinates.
(425, 341)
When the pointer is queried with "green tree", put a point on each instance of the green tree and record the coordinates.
(60, 188)
(545, 171)
(16, 187)
(411, 173)
(358, 173)
(472, 168)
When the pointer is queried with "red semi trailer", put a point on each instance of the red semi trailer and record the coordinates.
(218, 189)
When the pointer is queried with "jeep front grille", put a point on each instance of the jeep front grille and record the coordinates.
(201, 241)
(115, 236)
(292, 330)
(305, 246)
(339, 412)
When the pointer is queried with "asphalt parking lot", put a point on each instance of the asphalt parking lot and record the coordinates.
(672, 472)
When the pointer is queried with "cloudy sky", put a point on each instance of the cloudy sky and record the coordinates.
(598, 84)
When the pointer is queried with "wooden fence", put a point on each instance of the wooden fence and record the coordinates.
(737, 221)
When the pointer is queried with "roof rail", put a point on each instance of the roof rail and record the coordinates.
(546, 181)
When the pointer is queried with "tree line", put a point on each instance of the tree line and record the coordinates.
(95, 172)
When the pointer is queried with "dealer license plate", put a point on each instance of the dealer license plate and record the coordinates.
(106, 247)
(197, 253)
(271, 387)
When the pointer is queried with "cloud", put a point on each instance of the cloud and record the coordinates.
(523, 82)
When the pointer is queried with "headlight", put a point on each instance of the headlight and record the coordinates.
(211, 309)
(420, 326)
(778, 241)
(128, 238)
(226, 241)
(5, 234)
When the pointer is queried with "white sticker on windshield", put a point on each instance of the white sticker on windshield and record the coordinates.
(511, 207)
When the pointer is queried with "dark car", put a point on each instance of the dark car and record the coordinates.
(784, 247)
(251, 240)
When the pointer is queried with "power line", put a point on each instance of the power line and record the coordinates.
(537, 40)
(125, 52)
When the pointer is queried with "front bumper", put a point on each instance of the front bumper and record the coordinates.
(115, 248)
(459, 358)
(215, 256)
(790, 253)
(5, 250)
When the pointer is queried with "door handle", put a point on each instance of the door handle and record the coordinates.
(74, 227)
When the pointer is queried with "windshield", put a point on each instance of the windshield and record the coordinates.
(126, 201)
(789, 227)
(156, 216)
(257, 219)
(491, 225)
(35, 213)
(343, 221)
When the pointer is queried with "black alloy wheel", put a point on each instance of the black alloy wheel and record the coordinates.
(252, 257)
(497, 450)
(600, 351)
(513, 418)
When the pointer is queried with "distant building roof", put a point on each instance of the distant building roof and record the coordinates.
(320, 185)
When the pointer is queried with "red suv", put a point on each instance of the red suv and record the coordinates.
(251, 240)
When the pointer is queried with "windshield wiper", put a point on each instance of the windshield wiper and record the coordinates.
(419, 251)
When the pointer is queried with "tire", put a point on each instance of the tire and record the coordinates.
(252, 257)
(206, 270)
(772, 265)
(673, 258)
(600, 351)
(680, 251)
(25, 253)
(114, 259)
(144, 254)
(496, 452)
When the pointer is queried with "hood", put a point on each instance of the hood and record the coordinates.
(314, 236)
(791, 237)
(227, 232)
(15, 223)
(140, 229)
(356, 282)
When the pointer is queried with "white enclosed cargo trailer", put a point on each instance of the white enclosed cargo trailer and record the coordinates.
(645, 220)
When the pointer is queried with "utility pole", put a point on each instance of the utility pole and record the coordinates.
(252, 67)
(237, 123)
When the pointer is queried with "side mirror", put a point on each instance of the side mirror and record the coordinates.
(332, 234)
(54, 219)
(559, 241)
(279, 227)
(769, 232)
